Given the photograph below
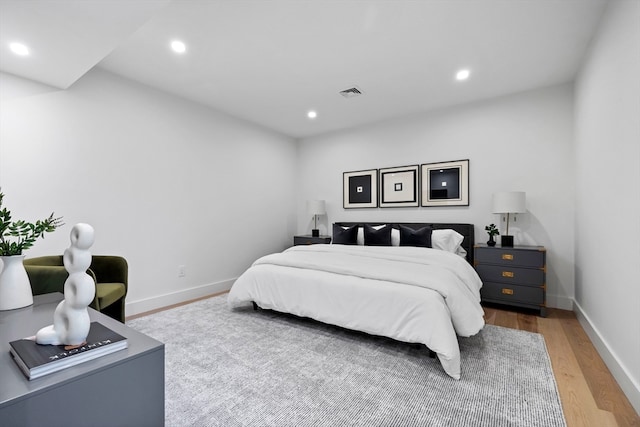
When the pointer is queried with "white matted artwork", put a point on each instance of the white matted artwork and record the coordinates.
(399, 187)
(445, 184)
(360, 189)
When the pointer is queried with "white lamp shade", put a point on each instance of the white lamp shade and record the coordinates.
(509, 202)
(316, 207)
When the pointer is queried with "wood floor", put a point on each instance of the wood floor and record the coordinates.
(590, 395)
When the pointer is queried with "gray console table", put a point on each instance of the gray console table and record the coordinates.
(124, 388)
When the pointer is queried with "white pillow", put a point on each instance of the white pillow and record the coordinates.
(462, 252)
(395, 237)
(447, 240)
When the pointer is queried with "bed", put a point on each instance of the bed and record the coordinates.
(414, 294)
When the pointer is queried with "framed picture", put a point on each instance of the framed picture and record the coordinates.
(445, 184)
(360, 189)
(399, 187)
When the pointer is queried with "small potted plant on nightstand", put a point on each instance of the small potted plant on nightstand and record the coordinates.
(492, 230)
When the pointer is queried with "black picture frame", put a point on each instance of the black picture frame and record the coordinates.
(445, 183)
(360, 189)
(399, 187)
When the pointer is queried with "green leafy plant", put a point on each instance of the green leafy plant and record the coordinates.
(17, 236)
(492, 230)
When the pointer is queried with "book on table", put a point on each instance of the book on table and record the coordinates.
(36, 360)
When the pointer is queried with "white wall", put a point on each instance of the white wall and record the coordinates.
(521, 142)
(608, 194)
(163, 181)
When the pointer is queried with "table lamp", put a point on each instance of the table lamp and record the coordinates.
(316, 208)
(508, 202)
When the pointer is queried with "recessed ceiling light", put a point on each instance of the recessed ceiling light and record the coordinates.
(178, 46)
(463, 74)
(19, 49)
(312, 114)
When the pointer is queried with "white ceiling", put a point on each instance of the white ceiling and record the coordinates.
(270, 61)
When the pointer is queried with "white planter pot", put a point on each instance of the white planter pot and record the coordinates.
(15, 289)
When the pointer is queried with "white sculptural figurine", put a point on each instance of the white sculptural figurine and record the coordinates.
(71, 321)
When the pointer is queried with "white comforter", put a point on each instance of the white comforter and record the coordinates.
(410, 294)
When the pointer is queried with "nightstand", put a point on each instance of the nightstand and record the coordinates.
(310, 240)
(513, 276)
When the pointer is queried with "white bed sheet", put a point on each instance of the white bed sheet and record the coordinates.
(415, 295)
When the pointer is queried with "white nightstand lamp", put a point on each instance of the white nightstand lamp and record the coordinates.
(509, 202)
(316, 208)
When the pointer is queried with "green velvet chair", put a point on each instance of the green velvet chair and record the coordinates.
(110, 274)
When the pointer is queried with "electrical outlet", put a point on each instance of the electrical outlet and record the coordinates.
(182, 270)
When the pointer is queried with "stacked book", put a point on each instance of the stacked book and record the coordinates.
(36, 360)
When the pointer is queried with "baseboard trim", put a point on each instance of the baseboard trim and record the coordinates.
(630, 387)
(148, 304)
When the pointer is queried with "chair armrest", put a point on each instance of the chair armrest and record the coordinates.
(95, 304)
(46, 279)
(110, 269)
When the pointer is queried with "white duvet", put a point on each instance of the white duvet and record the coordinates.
(416, 295)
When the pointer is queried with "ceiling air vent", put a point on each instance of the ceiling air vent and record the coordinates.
(351, 92)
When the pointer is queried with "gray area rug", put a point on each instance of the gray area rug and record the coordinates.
(262, 368)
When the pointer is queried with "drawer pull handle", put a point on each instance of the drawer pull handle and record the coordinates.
(508, 257)
(507, 291)
(507, 274)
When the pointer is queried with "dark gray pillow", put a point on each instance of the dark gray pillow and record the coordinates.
(342, 236)
(411, 237)
(373, 237)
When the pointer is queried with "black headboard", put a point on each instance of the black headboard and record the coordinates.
(465, 229)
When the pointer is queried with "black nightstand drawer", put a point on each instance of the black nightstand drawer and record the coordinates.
(508, 274)
(523, 258)
(514, 293)
(311, 240)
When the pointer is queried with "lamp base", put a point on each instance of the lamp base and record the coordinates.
(315, 232)
(506, 241)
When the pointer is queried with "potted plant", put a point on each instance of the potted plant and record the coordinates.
(492, 230)
(16, 237)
